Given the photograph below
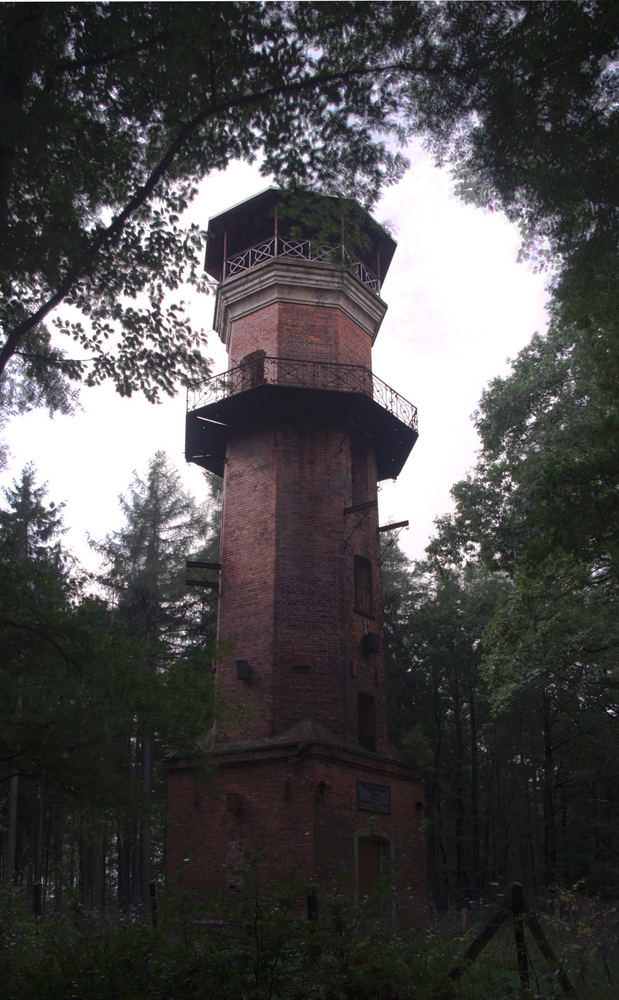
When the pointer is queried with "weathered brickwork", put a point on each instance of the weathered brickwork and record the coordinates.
(296, 808)
(300, 716)
(314, 333)
(255, 332)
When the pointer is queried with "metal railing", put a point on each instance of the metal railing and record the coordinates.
(302, 374)
(278, 246)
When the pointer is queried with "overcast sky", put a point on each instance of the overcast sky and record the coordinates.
(459, 305)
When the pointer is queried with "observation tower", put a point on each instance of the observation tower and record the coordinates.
(301, 431)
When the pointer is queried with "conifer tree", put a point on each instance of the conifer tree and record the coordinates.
(144, 574)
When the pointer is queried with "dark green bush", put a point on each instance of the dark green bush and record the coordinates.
(265, 948)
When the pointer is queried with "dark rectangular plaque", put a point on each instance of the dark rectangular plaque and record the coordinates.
(375, 798)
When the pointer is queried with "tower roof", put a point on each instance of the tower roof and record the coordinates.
(302, 215)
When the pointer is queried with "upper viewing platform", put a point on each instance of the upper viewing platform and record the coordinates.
(298, 307)
(277, 225)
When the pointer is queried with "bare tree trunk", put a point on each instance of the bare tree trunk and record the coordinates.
(548, 789)
(124, 864)
(11, 839)
(37, 836)
(146, 872)
(99, 873)
(461, 876)
(59, 883)
(475, 852)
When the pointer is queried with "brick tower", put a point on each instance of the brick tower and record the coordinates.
(301, 431)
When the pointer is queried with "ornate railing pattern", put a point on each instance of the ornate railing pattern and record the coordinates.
(302, 374)
(278, 246)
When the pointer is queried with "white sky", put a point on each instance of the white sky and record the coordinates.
(459, 306)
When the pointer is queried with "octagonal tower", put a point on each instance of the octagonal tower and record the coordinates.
(301, 431)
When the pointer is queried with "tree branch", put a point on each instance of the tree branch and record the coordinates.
(67, 65)
(106, 236)
(10, 623)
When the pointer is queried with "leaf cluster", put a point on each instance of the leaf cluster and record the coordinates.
(112, 115)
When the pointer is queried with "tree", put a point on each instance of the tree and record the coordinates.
(80, 684)
(503, 690)
(439, 711)
(35, 379)
(541, 506)
(540, 139)
(548, 466)
(62, 666)
(144, 562)
(28, 533)
(551, 655)
(144, 574)
(104, 142)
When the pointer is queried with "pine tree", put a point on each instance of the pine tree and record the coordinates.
(33, 578)
(145, 577)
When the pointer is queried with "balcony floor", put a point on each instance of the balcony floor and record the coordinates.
(208, 426)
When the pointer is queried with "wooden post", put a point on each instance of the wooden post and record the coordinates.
(521, 945)
(544, 946)
(480, 942)
(521, 916)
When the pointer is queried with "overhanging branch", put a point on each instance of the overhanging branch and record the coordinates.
(82, 265)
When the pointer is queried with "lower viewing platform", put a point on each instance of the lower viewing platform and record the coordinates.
(265, 388)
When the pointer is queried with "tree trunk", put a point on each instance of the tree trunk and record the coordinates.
(461, 876)
(548, 789)
(146, 847)
(475, 861)
(37, 848)
(124, 863)
(11, 839)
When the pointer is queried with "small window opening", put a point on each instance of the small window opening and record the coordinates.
(359, 473)
(253, 369)
(363, 586)
(366, 721)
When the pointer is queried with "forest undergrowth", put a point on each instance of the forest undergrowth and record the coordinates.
(265, 948)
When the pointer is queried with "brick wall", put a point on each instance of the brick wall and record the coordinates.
(286, 593)
(296, 810)
(246, 595)
(287, 330)
(286, 602)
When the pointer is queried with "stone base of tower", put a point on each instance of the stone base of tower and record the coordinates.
(308, 809)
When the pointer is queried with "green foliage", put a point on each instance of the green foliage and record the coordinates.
(86, 690)
(78, 676)
(274, 952)
(112, 114)
(37, 376)
(588, 929)
(495, 973)
(439, 710)
(143, 565)
(541, 506)
(548, 469)
(264, 948)
(552, 661)
(540, 139)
